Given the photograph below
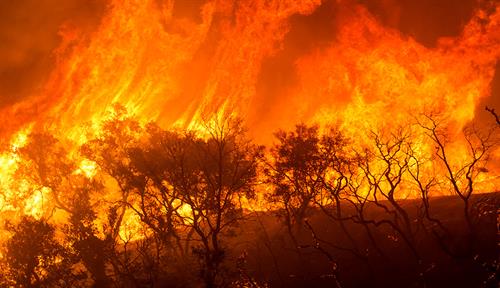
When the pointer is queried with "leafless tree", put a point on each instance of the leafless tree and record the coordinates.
(384, 169)
(461, 176)
(494, 113)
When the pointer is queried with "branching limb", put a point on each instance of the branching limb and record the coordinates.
(492, 111)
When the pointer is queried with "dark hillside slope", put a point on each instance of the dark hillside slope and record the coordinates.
(383, 261)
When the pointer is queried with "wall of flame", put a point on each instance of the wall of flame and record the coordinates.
(273, 63)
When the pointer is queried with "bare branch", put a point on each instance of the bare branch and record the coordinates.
(492, 111)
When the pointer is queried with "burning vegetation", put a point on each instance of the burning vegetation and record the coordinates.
(275, 143)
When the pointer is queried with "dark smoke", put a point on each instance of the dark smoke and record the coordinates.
(29, 34)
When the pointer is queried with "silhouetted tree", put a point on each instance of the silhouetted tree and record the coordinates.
(35, 258)
(110, 150)
(385, 171)
(82, 235)
(461, 176)
(296, 172)
(186, 190)
(212, 179)
(47, 165)
(157, 199)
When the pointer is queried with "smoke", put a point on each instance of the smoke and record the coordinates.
(29, 34)
(424, 20)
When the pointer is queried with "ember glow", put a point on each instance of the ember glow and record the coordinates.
(189, 65)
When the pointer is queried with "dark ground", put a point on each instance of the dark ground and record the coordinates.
(271, 257)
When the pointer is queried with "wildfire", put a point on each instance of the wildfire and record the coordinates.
(180, 71)
(165, 72)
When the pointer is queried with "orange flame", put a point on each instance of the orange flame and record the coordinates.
(178, 71)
